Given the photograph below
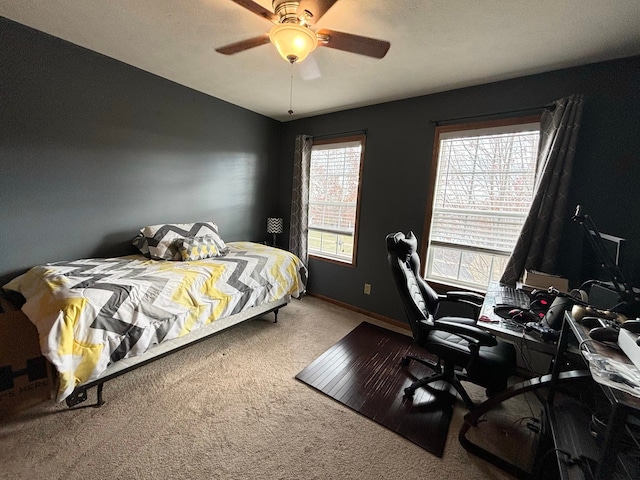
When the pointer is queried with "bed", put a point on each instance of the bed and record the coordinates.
(99, 318)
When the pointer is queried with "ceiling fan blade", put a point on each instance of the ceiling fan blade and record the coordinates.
(257, 9)
(309, 69)
(243, 45)
(317, 7)
(371, 47)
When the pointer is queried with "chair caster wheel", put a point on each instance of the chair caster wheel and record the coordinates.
(408, 393)
(405, 361)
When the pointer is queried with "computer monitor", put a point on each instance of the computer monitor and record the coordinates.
(608, 251)
(592, 265)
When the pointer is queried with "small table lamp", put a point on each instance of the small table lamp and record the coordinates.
(274, 226)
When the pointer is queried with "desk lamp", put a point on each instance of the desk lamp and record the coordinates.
(274, 226)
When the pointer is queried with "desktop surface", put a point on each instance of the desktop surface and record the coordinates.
(498, 294)
(514, 332)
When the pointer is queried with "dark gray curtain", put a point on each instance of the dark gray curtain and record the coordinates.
(539, 241)
(299, 223)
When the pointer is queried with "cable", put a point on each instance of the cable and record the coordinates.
(520, 420)
(527, 361)
(540, 462)
(523, 346)
(586, 340)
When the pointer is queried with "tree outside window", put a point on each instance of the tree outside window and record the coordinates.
(334, 191)
(483, 188)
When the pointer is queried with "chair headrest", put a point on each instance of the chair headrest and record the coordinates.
(403, 245)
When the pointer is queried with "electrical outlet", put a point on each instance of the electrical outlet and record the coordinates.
(367, 289)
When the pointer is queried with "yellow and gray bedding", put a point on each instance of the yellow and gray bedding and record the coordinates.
(91, 313)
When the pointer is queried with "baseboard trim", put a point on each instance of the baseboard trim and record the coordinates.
(348, 306)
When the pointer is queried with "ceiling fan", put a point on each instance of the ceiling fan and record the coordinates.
(293, 37)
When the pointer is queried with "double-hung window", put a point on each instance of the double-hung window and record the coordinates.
(334, 194)
(483, 185)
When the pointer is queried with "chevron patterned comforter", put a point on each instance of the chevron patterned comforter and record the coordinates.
(93, 312)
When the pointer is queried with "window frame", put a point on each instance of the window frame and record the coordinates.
(433, 175)
(356, 227)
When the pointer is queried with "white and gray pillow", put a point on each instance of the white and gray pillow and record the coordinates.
(159, 241)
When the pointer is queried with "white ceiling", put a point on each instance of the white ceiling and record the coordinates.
(436, 45)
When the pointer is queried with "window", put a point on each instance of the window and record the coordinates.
(334, 193)
(484, 183)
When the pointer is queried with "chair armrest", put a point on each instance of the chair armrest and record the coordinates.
(459, 320)
(463, 295)
(472, 300)
(470, 332)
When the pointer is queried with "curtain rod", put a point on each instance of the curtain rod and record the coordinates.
(339, 134)
(472, 117)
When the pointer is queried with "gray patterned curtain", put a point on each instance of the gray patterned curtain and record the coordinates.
(299, 224)
(539, 241)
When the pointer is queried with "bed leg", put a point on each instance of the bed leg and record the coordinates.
(79, 395)
(275, 313)
(100, 400)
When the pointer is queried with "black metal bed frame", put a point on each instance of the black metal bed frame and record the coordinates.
(80, 394)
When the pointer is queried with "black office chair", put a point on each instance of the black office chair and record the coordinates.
(464, 351)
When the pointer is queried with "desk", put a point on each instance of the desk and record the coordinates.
(571, 430)
(575, 447)
(533, 354)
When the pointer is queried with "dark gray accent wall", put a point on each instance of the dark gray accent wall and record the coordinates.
(398, 160)
(92, 149)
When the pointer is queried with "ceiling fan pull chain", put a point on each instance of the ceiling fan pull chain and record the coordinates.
(291, 91)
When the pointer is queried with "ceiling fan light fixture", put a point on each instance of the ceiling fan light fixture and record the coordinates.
(293, 41)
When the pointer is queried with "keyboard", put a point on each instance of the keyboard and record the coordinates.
(505, 295)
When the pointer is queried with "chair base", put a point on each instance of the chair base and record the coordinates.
(448, 374)
(406, 360)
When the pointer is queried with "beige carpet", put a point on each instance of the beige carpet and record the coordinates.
(230, 408)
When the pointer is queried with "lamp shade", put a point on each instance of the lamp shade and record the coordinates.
(293, 41)
(274, 225)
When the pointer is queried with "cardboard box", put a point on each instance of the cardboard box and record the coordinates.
(543, 281)
(25, 375)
